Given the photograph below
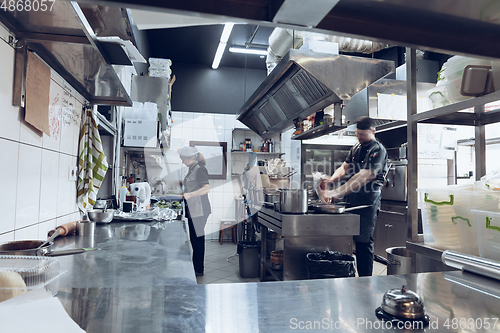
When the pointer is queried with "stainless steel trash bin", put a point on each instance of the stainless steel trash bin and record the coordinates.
(399, 261)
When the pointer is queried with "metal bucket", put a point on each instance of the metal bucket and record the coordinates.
(399, 261)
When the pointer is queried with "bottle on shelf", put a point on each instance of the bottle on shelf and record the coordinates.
(265, 146)
(248, 144)
(123, 192)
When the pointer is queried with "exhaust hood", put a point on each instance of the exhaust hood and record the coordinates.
(384, 101)
(305, 82)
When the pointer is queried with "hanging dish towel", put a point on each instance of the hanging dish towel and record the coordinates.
(92, 164)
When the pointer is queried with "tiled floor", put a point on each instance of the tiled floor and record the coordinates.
(222, 264)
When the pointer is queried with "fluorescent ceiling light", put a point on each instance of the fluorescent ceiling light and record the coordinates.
(226, 32)
(228, 27)
(218, 55)
(247, 50)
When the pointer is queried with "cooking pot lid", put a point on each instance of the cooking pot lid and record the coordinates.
(403, 303)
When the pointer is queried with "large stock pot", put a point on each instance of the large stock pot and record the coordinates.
(293, 201)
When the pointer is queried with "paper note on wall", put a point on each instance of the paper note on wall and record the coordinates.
(37, 94)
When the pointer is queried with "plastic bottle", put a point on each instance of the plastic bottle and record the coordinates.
(123, 194)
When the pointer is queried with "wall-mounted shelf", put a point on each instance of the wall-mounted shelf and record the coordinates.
(105, 127)
(258, 153)
(454, 114)
(240, 159)
(317, 132)
(451, 115)
(391, 125)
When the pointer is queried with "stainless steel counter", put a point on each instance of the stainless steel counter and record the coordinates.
(304, 225)
(425, 258)
(132, 254)
(148, 286)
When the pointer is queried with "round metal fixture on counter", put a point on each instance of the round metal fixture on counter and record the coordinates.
(402, 305)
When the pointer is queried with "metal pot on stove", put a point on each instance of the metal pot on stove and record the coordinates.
(293, 201)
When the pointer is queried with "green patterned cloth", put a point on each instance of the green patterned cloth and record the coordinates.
(92, 164)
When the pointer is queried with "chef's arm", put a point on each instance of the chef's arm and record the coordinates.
(356, 182)
(339, 173)
(201, 191)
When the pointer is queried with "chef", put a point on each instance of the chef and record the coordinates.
(365, 166)
(196, 189)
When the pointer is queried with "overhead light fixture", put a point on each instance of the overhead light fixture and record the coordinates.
(245, 50)
(226, 32)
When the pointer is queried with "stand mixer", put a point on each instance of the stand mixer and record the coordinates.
(142, 192)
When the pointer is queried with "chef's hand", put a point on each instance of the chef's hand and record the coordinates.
(335, 196)
(186, 196)
(323, 185)
(324, 196)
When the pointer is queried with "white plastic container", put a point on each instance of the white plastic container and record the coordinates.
(437, 97)
(159, 63)
(453, 87)
(447, 220)
(454, 67)
(37, 272)
(156, 72)
(488, 233)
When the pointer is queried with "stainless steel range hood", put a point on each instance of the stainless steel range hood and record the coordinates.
(305, 82)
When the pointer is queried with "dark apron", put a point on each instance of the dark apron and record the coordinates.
(197, 206)
(369, 195)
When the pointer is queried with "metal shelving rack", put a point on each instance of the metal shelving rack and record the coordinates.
(450, 115)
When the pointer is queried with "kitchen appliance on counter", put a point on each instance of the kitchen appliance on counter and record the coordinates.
(142, 192)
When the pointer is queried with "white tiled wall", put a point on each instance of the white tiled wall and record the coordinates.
(37, 194)
(291, 148)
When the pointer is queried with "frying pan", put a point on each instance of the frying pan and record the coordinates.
(335, 208)
(32, 248)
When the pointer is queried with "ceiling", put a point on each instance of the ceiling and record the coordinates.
(447, 26)
(198, 44)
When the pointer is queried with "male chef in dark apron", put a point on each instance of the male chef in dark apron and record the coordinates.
(365, 165)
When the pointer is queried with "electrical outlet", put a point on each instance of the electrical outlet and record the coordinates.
(72, 174)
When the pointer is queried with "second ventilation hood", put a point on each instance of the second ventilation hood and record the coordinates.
(305, 82)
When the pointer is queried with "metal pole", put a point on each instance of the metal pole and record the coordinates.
(480, 145)
(411, 109)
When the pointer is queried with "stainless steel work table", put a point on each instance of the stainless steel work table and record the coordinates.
(425, 258)
(302, 234)
(148, 286)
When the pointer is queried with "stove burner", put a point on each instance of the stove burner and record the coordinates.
(408, 323)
